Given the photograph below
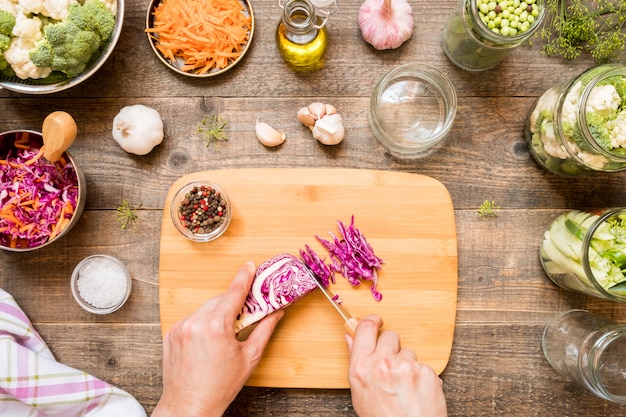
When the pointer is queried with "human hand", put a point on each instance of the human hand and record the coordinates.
(204, 365)
(387, 380)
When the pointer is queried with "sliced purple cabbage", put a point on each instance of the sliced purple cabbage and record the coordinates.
(352, 256)
(278, 282)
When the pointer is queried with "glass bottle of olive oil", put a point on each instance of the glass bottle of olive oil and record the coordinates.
(301, 38)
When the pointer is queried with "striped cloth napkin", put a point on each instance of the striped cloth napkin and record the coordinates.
(34, 384)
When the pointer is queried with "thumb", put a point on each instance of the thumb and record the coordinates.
(255, 344)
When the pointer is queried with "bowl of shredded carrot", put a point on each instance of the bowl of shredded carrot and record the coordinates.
(200, 38)
(40, 200)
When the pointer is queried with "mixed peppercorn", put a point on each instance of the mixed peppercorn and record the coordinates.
(202, 210)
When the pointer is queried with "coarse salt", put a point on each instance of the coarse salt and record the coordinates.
(102, 282)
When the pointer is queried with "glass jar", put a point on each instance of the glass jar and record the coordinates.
(579, 126)
(301, 36)
(590, 350)
(412, 109)
(586, 252)
(481, 33)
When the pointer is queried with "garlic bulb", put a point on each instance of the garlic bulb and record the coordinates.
(386, 24)
(138, 129)
(325, 123)
(267, 135)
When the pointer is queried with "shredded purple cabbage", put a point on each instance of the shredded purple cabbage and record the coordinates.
(352, 256)
(34, 192)
(317, 266)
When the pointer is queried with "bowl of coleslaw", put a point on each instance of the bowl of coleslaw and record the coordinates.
(40, 200)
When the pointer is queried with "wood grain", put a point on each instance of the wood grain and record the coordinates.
(407, 218)
(496, 367)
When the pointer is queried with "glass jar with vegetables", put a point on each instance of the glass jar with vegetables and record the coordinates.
(301, 35)
(481, 33)
(586, 252)
(579, 126)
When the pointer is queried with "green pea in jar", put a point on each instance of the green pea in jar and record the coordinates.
(482, 33)
(579, 126)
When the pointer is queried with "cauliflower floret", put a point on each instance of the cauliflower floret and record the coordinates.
(30, 6)
(593, 160)
(617, 130)
(17, 57)
(56, 9)
(570, 104)
(550, 144)
(9, 6)
(545, 102)
(29, 29)
(603, 100)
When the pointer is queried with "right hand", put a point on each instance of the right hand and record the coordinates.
(387, 380)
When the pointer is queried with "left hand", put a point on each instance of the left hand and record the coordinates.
(204, 365)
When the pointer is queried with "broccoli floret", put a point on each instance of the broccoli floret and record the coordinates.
(69, 45)
(7, 21)
(543, 114)
(66, 48)
(93, 16)
(42, 54)
(599, 131)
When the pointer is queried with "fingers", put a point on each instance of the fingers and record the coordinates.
(365, 338)
(389, 342)
(408, 354)
(255, 344)
(235, 296)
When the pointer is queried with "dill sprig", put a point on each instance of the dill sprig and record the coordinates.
(488, 209)
(212, 129)
(595, 26)
(127, 214)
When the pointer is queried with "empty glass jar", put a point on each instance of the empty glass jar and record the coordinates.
(412, 109)
(590, 350)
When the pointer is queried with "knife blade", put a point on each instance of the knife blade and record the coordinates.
(350, 322)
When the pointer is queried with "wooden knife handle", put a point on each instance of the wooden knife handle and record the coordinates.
(350, 325)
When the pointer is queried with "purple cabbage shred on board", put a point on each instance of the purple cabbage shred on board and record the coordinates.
(352, 256)
(317, 266)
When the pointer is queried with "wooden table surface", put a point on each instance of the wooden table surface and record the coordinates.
(504, 299)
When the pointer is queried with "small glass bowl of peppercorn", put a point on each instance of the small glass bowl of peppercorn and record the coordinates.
(201, 211)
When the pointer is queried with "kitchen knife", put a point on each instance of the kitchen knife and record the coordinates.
(350, 322)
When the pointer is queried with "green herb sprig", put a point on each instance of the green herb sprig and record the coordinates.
(127, 214)
(488, 209)
(211, 128)
(571, 27)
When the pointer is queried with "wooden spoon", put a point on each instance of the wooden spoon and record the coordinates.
(59, 131)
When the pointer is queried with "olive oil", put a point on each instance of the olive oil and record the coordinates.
(301, 40)
(309, 54)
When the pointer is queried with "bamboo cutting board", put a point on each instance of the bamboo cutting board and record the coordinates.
(407, 218)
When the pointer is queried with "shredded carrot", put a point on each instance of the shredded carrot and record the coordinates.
(204, 34)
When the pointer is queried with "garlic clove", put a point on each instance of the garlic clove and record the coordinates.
(329, 129)
(386, 24)
(267, 135)
(305, 117)
(317, 110)
(329, 109)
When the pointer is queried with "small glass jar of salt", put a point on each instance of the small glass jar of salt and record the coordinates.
(101, 284)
